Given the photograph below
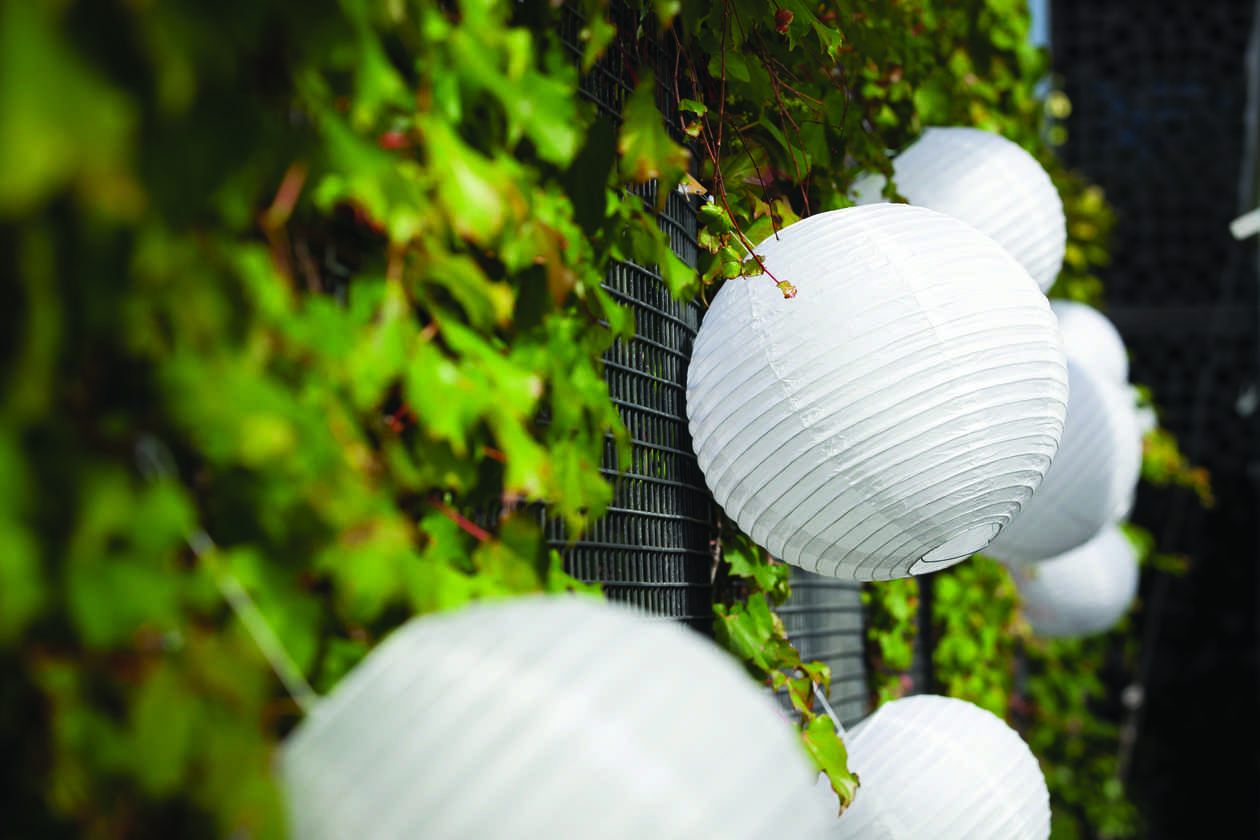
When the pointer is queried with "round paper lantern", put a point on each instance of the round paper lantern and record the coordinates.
(990, 183)
(1083, 592)
(895, 414)
(1092, 340)
(546, 717)
(1091, 482)
(942, 768)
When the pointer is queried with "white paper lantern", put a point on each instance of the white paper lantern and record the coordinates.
(1083, 592)
(1090, 338)
(548, 718)
(990, 183)
(895, 414)
(1090, 484)
(942, 768)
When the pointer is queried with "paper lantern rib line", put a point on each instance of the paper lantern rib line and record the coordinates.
(825, 539)
(913, 486)
(812, 385)
(796, 351)
(793, 350)
(877, 467)
(756, 427)
(844, 451)
(1000, 309)
(976, 521)
(986, 332)
(894, 500)
(970, 518)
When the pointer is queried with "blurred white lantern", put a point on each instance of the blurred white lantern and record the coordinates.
(546, 717)
(895, 414)
(990, 183)
(1090, 338)
(942, 768)
(1083, 592)
(1090, 484)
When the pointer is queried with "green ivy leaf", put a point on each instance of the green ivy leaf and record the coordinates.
(745, 633)
(163, 720)
(63, 121)
(647, 151)
(830, 756)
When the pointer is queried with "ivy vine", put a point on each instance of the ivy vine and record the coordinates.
(344, 261)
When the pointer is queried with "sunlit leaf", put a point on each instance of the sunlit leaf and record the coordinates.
(62, 119)
(646, 148)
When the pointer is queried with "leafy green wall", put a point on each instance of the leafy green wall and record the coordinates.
(330, 263)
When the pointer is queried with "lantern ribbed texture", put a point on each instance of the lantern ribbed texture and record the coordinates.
(896, 413)
(1083, 592)
(942, 768)
(990, 183)
(546, 717)
(1089, 337)
(1091, 482)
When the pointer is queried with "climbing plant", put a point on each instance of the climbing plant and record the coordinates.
(335, 267)
(340, 264)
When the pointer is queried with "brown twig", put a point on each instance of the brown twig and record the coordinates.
(273, 220)
(712, 149)
(466, 525)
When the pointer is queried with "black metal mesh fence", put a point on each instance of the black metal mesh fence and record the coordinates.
(654, 547)
(824, 620)
(1160, 94)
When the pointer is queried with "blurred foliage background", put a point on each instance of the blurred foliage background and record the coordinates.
(296, 289)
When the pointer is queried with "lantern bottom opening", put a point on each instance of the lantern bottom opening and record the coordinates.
(959, 547)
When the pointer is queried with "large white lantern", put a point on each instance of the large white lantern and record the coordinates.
(1083, 592)
(892, 417)
(548, 718)
(990, 183)
(1090, 484)
(1090, 338)
(942, 768)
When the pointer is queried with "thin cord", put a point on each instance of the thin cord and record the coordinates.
(830, 712)
(157, 464)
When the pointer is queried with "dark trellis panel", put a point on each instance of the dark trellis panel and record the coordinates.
(824, 620)
(654, 547)
(1160, 94)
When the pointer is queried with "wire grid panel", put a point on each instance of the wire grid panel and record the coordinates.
(1160, 105)
(1159, 109)
(654, 548)
(1205, 389)
(1158, 91)
(824, 621)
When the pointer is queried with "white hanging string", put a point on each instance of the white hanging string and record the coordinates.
(822, 698)
(157, 464)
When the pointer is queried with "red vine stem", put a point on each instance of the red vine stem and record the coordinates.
(465, 524)
(712, 152)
